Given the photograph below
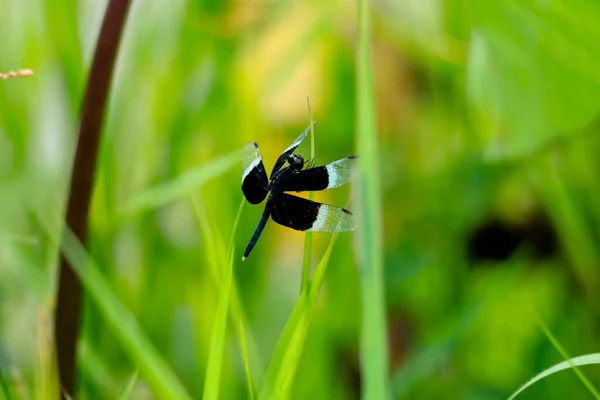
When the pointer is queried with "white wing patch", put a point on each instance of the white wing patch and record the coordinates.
(338, 172)
(250, 159)
(333, 219)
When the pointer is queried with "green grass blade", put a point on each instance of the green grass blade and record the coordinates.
(374, 357)
(311, 196)
(588, 359)
(284, 363)
(162, 194)
(246, 340)
(153, 367)
(128, 387)
(214, 249)
(244, 349)
(213, 243)
(93, 367)
(567, 358)
(219, 334)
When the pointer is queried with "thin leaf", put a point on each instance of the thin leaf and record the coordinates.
(213, 243)
(128, 387)
(311, 196)
(217, 344)
(244, 349)
(162, 194)
(587, 359)
(567, 358)
(92, 365)
(214, 248)
(282, 369)
(153, 367)
(374, 353)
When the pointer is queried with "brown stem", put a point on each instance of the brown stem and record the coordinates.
(68, 307)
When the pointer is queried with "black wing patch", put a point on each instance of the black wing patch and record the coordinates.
(306, 215)
(327, 176)
(254, 176)
(290, 150)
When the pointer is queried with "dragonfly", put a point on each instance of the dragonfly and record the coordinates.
(297, 176)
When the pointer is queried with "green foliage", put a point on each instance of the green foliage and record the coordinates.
(215, 356)
(282, 369)
(588, 359)
(157, 372)
(128, 387)
(374, 352)
(462, 113)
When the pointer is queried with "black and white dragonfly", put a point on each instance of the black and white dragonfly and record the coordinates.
(292, 211)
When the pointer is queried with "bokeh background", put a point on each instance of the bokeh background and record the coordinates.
(488, 131)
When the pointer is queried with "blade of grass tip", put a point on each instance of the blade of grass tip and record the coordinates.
(157, 372)
(217, 344)
(311, 196)
(588, 359)
(244, 349)
(374, 353)
(284, 363)
(128, 387)
(566, 356)
(16, 74)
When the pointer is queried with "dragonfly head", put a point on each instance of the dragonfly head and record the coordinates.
(296, 162)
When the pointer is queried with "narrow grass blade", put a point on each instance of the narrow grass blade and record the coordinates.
(284, 363)
(244, 349)
(128, 387)
(374, 357)
(213, 246)
(588, 359)
(252, 358)
(162, 194)
(311, 196)
(153, 367)
(96, 372)
(45, 373)
(219, 334)
(567, 358)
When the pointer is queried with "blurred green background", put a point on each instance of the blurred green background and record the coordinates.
(489, 155)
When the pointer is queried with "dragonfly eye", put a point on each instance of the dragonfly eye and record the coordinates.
(296, 162)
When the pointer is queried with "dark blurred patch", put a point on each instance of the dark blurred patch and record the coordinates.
(349, 367)
(494, 240)
(400, 334)
(497, 240)
(542, 237)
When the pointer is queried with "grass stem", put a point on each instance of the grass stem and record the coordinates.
(311, 196)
